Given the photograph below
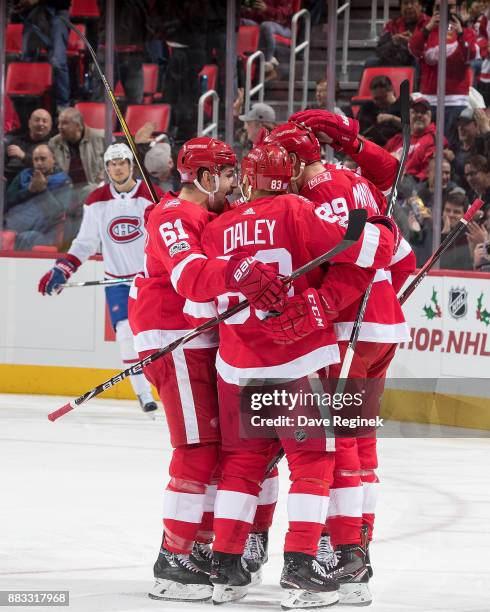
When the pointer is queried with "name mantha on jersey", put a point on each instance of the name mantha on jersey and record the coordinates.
(115, 221)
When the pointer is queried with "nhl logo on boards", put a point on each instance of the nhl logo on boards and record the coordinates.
(124, 229)
(458, 302)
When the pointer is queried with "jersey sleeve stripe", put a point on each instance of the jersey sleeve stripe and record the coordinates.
(402, 251)
(370, 243)
(179, 268)
(200, 309)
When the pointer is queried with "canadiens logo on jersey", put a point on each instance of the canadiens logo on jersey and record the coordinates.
(125, 229)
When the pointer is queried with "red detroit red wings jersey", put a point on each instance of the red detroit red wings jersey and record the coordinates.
(286, 231)
(341, 190)
(177, 273)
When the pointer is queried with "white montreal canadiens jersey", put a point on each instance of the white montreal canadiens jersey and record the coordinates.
(116, 222)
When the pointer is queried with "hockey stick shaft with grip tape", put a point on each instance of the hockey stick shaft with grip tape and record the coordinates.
(357, 220)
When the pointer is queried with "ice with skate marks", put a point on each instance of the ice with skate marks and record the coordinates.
(299, 599)
(355, 594)
(168, 590)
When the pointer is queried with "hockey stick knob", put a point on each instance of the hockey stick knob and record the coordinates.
(470, 213)
(52, 416)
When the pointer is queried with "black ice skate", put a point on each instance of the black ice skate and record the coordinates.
(349, 568)
(230, 577)
(202, 556)
(307, 583)
(255, 554)
(365, 543)
(147, 402)
(178, 579)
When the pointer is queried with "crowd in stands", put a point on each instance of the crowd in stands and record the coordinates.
(54, 153)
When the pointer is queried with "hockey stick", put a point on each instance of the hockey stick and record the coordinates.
(357, 220)
(443, 247)
(404, 295)
(112, 97)
(351, 347)
(105, 281)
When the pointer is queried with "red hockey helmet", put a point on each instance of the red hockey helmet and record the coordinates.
(203, 152)
(296, 138)
(268, 168)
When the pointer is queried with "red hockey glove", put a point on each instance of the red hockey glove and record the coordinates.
(58, 275)
(342, 130)
(302, 315)
(391, 225)
(258, 282)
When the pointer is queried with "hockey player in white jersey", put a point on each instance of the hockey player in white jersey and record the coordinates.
(113, 216)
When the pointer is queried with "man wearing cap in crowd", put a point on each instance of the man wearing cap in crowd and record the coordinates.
(259, 118)
(159, 163)
(472, 140)
(422, 139)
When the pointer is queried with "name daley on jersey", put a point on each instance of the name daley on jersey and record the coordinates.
(248, 232)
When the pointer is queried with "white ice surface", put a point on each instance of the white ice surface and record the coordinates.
(80, 510)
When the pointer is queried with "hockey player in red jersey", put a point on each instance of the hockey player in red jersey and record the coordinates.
(287, 230)
(114, 216)
(178, 277)
(355, 486)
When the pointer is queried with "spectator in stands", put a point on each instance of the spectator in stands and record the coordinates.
(379, 118)
(460, 50)
(477, 174)
(181, 23)
(481, 254)
(37, 200)
(321, 96)
(274, 17)
(474, 16)
(471, 141)
(130, 33)
(160, 165)
(79, 151)
(44, 29)
(426, 189)
(392, 48)
(20, 147)
(459, 256)
(422, 144)
(260, 117)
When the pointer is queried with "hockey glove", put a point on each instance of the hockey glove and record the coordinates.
(258, 282)
(391, 225)
(342, 130)
(58, 275)
(303, 314)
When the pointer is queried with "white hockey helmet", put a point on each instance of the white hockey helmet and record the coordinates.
(119, 150)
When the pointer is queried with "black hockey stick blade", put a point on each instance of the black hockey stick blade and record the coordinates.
(405, 117)
(357, 220)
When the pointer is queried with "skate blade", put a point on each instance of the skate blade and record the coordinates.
(256, 577)
(355, 594)
(301, 599)
(168, 590)
(223, 593)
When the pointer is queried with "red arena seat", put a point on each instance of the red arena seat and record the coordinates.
(84, 9)
(139, 114)
(28, 79)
